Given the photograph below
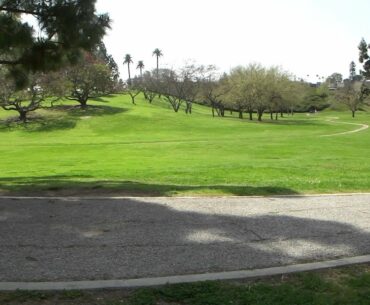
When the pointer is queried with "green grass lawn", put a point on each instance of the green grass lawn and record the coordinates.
(341, 286)
(121, 148)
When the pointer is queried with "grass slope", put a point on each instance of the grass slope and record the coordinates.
(118, 147)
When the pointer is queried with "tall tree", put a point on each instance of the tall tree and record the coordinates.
(101, 54)
(128, 61)
(140, 66)
(352, 70)
(364, 58)
(157, 53)
(66, 27)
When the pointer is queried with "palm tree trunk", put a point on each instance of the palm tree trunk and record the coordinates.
(129, 74)
(157, 66)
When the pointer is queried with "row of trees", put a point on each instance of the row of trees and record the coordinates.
(94, 74)
(78, 68)
(65, 59)
(253, 89)
(140, 64)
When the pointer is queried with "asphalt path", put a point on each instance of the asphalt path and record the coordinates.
(62, 239)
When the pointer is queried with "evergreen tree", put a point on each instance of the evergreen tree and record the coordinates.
(364, 58)
(66, 26)
(352, 70)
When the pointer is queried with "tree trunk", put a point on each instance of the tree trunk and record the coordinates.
(129, 74)
(271, 115)
(83, 104)
(281, 114)
(133, 99)
(276, 116)
(260, 115)
(251, 115)
(240, 114)
(353, 113)
(23, 116)
(213, 111)
(157, 66)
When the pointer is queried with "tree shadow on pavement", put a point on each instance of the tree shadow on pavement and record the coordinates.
(70, 239)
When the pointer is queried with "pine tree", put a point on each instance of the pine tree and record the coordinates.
(67, 27)
(364, 58)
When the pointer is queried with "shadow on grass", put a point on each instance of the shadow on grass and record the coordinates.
(85, 185)
(91, 110)
(57, 118)
(38, 123)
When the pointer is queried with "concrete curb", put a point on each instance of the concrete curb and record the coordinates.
(176, 197)
(157, 281)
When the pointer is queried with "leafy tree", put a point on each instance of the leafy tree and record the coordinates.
(128, 61)
(334, 80)
(90, 78)
(157, 53)
(364, 58)
(101, 54)
(293, 95)
(26, 100)
(241, 91)
(66, 26)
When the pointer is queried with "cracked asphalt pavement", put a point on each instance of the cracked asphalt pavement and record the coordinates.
(86, 239)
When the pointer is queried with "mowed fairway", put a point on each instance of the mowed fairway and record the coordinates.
(144, 149)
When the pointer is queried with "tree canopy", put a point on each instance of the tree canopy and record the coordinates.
(66, 27)
(364, 58)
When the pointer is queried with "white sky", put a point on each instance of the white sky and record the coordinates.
(303, 36)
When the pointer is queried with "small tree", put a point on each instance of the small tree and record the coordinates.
(134, 88)
(351, 95)
(89, 79)
(149, 86)
(29, 99)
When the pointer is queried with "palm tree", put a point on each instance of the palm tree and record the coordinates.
(140, 65)
(158, 53)
(128, 61)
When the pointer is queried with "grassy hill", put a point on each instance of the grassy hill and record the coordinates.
(120, 148)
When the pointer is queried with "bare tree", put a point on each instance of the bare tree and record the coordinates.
(351, 95)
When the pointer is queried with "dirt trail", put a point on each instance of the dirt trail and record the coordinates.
(334, 120)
